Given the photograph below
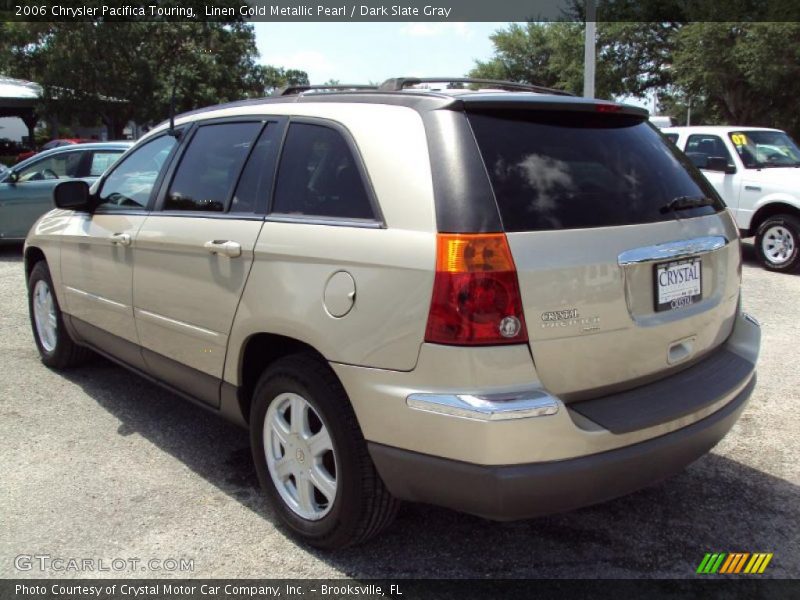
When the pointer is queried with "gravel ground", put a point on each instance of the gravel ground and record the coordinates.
(98, 463)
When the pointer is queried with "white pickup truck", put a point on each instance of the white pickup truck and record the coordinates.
(757, 173)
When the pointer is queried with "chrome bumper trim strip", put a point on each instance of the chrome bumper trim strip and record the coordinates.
(492, 407)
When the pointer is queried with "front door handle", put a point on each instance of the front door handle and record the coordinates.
(224, 247)
(122, 239)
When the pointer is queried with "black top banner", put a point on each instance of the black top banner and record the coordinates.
(403, 10)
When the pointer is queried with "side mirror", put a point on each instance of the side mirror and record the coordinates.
(719, 163)
(13, 177)
(73, 195)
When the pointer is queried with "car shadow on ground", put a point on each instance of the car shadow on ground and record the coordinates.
(749, 253)
(11, 252)
(717, 504)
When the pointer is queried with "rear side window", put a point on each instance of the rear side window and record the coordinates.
(102, 161)
(210, 167)
(255, 184)
(699, 148)
(571, 170)
(318, 176)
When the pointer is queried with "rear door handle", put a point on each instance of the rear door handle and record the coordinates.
(121, 239)
(224, 247)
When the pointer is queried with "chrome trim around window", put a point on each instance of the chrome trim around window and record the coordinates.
(487, 407)
(332, 221)
(672, 250)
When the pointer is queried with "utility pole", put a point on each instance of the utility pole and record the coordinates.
(589, 50)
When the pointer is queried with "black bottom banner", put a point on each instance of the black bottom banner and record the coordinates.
(402, 589)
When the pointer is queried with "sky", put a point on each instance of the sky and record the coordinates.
(365, 52)
(374, 52)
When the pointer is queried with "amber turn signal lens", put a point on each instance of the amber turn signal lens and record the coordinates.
(470, 253)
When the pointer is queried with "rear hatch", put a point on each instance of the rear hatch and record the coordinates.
(623, 278)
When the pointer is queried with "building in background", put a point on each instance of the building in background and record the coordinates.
(19, 102)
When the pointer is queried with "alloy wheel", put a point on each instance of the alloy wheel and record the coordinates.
(300, 456)
(44, 315)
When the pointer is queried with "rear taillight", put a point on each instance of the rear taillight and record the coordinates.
(476, 298)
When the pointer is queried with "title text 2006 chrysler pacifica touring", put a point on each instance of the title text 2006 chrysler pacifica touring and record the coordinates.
(508, 302)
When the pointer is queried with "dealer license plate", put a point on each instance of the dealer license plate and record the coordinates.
(678, 284)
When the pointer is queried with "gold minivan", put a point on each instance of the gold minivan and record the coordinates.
(491, 297)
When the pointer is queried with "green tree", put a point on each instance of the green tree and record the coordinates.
(745, 73)
(113, 72)
(680, 106)
(551, 54)
(748, 73)
(277, 77)
(545, 54)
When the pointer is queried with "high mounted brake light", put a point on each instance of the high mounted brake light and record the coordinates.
(476, 298)
(608, 108)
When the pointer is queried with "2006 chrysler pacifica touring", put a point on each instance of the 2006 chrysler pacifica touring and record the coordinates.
(505, 301)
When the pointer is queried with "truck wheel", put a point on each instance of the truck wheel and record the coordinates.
(778, 243)
(56, 348)
(311, 457)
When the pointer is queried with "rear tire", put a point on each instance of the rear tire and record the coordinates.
(777, 243)
(56, 348)
(315, 466)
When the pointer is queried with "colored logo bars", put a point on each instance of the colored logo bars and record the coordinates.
(734, 562)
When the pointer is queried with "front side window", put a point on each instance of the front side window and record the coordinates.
(60, 166)
(318, 176)
(131, 182)
(761, 149)
(699, 148)
(210, 167)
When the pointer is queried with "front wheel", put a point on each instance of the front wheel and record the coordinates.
(56, 348)
(778, 243)
(311, 457)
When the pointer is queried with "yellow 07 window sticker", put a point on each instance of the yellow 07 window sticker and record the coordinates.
(739, 139)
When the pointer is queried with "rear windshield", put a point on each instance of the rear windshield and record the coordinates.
(571, 170)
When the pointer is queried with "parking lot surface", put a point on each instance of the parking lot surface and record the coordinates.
(97, 463)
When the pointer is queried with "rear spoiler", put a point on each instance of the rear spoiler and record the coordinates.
(480, 102)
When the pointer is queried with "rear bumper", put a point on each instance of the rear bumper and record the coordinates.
(486, 406)
(529, 490)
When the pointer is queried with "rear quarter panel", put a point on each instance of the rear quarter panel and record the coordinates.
(392, 266)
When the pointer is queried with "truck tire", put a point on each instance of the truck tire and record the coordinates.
(778, 243)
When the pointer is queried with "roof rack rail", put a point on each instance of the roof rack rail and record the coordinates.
(293, 90)
(399, 83)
